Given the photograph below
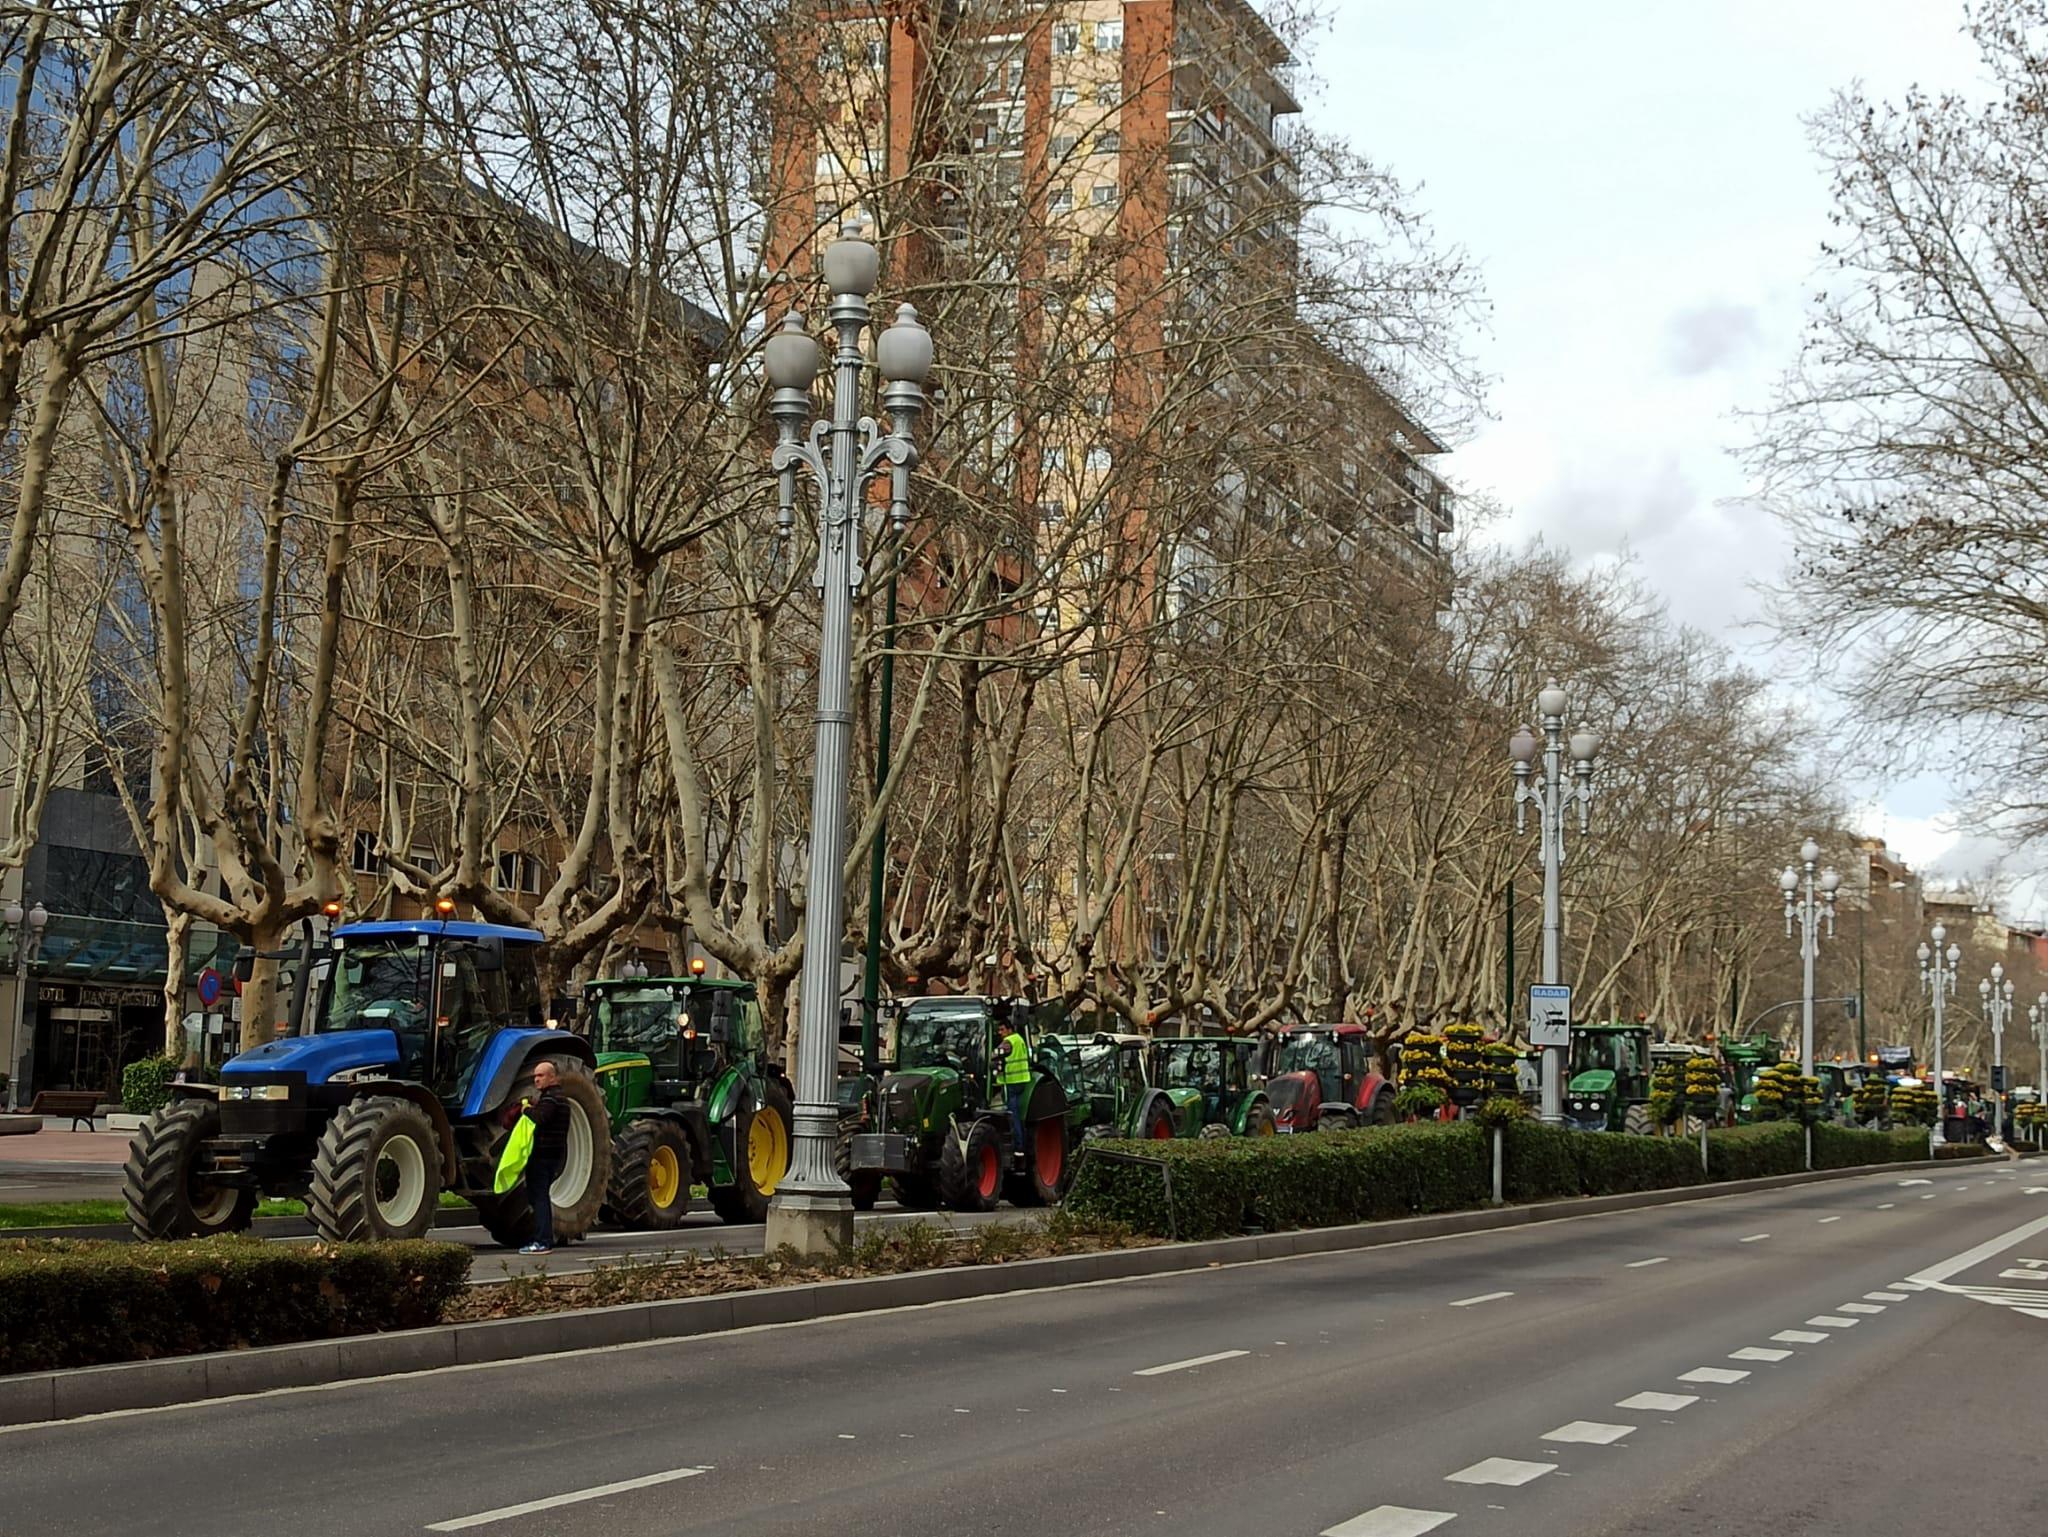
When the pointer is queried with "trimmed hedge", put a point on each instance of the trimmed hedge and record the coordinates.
(1752, 1152)
(1840, 1147)
(1617, 1165)
(1324, 1179)
(68, 1302)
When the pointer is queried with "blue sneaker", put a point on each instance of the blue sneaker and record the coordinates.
(537, 1248)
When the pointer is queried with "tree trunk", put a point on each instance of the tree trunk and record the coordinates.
(259, 993)
(177, 948)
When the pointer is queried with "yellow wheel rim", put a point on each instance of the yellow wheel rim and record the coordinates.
(1266, 1129)
(767, 1150)
(664, 1177)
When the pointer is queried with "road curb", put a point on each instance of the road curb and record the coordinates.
(262, 1227)
(37, 1397)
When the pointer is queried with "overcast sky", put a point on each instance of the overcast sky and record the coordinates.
(1635, 180)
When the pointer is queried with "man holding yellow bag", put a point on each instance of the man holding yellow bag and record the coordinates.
(548, 1115)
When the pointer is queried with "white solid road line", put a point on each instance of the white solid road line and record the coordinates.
(1991, 1248)
(1589, 1433)
(1720, 1374)
(1638, 1264)
(1756, 1237)
(1181, 1366)
(1501, 1470)
(1662, 1403)
(1799, 1337)
(1473, 1302)
(1391, 1521)
(574, 1497)
(1758, 1353)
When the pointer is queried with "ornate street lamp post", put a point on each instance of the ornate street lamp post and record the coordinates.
(25, 933)
(1995, 993)
(1807, 903)
(812, 1211)
(1551, 793)
(1938, 978)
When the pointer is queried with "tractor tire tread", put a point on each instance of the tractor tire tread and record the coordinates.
(154, 1182)
(629, 1197)
(339, 1200)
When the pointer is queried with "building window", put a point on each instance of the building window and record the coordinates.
(1109, 143)
(878, 53)
(1060, 145)
(1102, 194)
(1066, 37)
(1098, 407)
(1061, 200)
(518, 872)
(1015, 76)
(1109, 36)
(1059, 252)
(1064, 96)
(828, 167)
(362, 855)
(1103, 301)
(1109, 94)
(1098, 457)
(1053, 459)
(1052, 514)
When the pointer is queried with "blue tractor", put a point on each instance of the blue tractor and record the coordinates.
(416, 1039)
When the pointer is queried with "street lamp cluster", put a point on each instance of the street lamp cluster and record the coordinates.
(812, 1210)
(1995, 992)
(1551, 793)
(1938, 978)
(1808, 901)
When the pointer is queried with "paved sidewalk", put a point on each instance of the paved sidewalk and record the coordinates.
(50, 1151)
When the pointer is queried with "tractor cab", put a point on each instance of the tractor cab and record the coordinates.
(1607, 1085)
(1104, 1072)
(1224, 1071)
(1745, 1057)
(1323, 1078)
(663, 1039)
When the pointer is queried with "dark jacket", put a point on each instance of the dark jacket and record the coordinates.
(550, 1117)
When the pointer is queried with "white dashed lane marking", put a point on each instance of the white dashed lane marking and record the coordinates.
(1830, 1219)
(1758, 1353)
(1391, 1521)
(1638, 1264)
(557, 1501)
(1756, 1237)
(1192, 1361)
(1886, 1205)
(1720, 1374)
(1662, 1403)
(1501, 1470)
(1589, 1433)
(1798, 1337)
(1830, 1321)
(1860, 1307)
(1885, 1296)
(1473, 1302)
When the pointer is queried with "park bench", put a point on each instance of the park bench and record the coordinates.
(79, 1104)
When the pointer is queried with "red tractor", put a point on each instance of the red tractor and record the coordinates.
(1323, 1079)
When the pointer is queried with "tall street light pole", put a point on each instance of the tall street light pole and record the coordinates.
(1995, 992)
(812, 1211)
(1551, 795)
(1938, 977)
(2038, 1013)
(25, 934)
(1808, 900)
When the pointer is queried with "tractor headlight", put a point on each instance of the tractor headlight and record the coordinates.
(257, 1091)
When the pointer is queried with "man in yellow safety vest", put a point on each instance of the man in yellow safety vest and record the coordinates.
(1013, 1072)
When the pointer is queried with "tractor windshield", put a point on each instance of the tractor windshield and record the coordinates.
(379, 984)
(942, 1035)
(641, 1020)
(1310, 1052)
(1616, 1053)
(1191, 1065)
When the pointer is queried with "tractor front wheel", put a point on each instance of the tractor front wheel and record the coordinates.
(1215, 1131)
(1637, 1122)
(376, 1173)
(760, 1159)
(971, 1168)
(650, 1182)
(1259, 1122)
(164, 1184)
(1336, 1118)
(866, 1185)
(1044, 1181)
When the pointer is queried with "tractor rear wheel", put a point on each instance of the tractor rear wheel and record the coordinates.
(650, 1180)
(866, 1185)
(1637, 1122)
(1259, 1122)
(1158, 1125)
(760, 1159)
(1215, 1131)
(1044, 1180)
(971, 1168)
(578, 1192)
(164, 1184)
(376, 1172)
(1382, 1112)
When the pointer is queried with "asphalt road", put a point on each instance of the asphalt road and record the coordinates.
(1859, 1356)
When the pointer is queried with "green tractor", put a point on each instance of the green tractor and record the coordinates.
(1607, 1084)
(692, 1098)
(1215, 1084)
(1745, 1056)
(943, 1133)
(1109, 1092)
